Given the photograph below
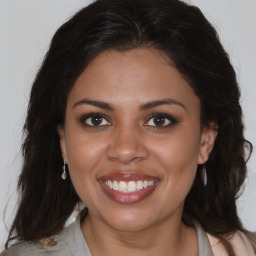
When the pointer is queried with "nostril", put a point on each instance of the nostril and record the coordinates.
(127, 150)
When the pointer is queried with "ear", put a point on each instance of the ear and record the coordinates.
(207, 140)
(61, 133)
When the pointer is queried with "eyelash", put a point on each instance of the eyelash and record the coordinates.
(171, 120)
(84, 118)
(168, 117)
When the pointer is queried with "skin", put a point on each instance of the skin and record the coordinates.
(129, 141)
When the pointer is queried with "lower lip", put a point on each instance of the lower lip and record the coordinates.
(128, 198)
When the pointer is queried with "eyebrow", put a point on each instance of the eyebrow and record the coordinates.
(146, 106)
(96, 103)
(153, 104)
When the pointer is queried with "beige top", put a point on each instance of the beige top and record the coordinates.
(71, 242)
(239, 242)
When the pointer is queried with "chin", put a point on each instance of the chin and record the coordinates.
(129, 221)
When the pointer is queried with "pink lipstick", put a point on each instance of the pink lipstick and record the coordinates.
(127, 188)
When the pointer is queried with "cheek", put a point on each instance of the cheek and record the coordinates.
(83, 156)
(177, 149)
(82, 148)
(83, 160)
(177, 155)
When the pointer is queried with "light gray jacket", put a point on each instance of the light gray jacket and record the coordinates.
(70, 242)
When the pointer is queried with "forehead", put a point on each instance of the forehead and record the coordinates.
(127, 76)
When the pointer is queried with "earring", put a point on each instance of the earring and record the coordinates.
(204, 176)
(64, 173)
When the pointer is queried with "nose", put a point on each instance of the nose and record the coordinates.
(127, 146)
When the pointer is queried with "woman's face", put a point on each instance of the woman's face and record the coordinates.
(132, 139)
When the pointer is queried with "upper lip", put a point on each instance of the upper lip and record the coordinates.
(128, 176)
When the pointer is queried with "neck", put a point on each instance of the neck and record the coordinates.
(171, 237)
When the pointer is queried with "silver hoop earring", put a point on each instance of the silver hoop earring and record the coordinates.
(64, 172)
(204, 176)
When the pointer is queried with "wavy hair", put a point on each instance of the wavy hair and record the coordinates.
(183, 33)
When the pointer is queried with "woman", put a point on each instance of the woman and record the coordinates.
(135, 113)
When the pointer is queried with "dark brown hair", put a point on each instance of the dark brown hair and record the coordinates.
(189, 40)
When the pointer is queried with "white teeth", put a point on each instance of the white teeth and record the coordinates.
(123, 186)
(128, 187)
(132, 186)
(151, 183)
(110, 184)
(140, 184)
(115, 185)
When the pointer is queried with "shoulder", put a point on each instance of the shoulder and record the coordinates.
(68, 242)
(29, 249)
(239, 241)
(54, 246)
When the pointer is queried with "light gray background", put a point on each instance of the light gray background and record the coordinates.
(26, 27)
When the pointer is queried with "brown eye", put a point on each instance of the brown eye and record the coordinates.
(161, 120)
(95, 120)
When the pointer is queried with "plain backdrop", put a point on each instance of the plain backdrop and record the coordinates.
(26, 27)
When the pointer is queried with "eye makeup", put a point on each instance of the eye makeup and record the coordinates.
(94, 120)
(161, 120)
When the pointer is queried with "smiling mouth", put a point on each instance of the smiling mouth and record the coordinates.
(127, 188)
(130, 186)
